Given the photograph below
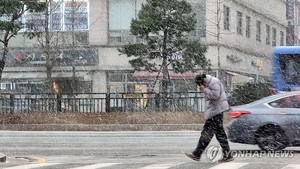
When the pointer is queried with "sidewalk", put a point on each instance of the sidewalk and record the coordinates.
(112, 121)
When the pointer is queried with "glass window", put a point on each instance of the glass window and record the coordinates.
(85, 86)
(76, 15)
(36, 21)
(268, 34)
(116, 77)
(56, 16)
(226, 17)
(248, 26)
(200, 11)
(258, 31)
(121, 12)
(63, 15)
(239, 28)
(287, 102)
(2, 85)
(36, 88)
(290, 69)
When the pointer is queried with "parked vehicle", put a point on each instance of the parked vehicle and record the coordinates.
(273, 123)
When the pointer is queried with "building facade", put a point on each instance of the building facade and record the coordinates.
(293, 22)
(240, 47)
(239, 34)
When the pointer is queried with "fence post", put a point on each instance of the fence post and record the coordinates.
(58, 101)
(11, 102)
(157, 100)
(107, 101)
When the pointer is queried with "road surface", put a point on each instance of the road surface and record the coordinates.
(128, 150)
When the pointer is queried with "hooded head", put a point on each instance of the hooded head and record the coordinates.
(200, 79)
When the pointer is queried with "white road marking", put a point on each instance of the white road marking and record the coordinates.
(161, 166)
(229, 165)
(95, 166)
(30, 166)
(292, 166)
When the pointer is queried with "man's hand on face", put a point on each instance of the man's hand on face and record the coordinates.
(202, 87)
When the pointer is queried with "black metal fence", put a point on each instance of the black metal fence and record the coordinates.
(101, 102)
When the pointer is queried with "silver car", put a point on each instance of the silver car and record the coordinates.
(273, 123)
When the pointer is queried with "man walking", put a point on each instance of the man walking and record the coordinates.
(215, 104)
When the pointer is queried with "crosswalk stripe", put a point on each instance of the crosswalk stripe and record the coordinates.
(30, 166)
(95, 166)
(229, 165)
(292, 166)
(161, 166)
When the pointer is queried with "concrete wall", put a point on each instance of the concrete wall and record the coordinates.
(110, 59)
(99, 82)
(98, 22)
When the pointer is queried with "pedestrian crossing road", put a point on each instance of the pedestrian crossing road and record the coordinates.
(172, 165)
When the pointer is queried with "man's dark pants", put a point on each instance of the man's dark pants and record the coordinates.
(213, 126)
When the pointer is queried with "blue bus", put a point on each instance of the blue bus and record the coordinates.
(285, 74)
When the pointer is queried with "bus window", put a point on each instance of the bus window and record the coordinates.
(285, 75)
(290, 68)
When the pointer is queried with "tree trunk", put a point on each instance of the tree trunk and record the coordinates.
(47, 51)
(165, 79)
(165, 84)
(4, 54)
(3, 60)
(49, 78)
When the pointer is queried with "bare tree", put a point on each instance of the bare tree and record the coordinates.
(51, 32)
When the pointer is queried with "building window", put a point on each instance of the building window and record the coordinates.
(268, 34)
(248, 26)
(274, 37)
(226, 17)
(75, 15)
(56, 16)
(121, 12)
(35, 21)
(119, 82)
(281, 38)
(258, 31)
(116, 77)
(64, 16)
(239, 27)
(2, 86)
(200, 29)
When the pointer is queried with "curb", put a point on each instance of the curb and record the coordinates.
(102, 127)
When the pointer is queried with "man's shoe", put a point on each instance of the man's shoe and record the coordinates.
(226, 159)
(192, 156)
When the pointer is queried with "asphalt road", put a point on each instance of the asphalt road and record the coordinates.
(128, 150)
